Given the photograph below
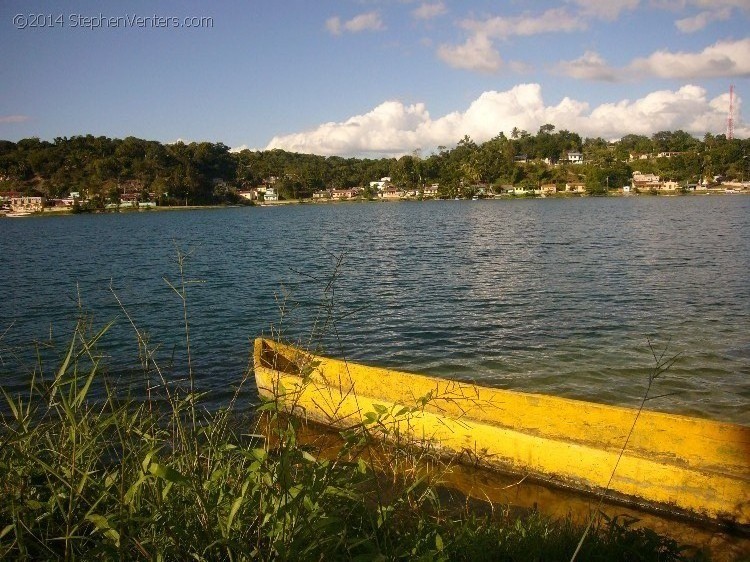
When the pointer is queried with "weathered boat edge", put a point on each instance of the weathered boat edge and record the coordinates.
(704, 491)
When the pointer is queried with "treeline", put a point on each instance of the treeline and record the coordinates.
(104, 168)
(197, 173)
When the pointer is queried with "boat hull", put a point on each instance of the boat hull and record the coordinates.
(685, 465)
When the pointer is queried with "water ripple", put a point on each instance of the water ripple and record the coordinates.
(555, 296)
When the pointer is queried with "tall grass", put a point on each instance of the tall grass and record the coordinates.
(101, 476)
(89, 472)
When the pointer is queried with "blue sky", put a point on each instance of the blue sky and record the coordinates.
(369, 77)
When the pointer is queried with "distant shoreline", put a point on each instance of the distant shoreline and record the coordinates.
(52, 211)
(563, 195)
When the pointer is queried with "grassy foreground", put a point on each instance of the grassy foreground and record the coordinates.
(88, 473)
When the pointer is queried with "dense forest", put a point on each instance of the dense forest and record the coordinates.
(102, 169)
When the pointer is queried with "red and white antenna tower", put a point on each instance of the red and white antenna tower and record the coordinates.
(730, 118)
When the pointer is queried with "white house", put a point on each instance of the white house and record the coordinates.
(382, 184)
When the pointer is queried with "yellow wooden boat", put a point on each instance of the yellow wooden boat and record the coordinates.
(685, 465)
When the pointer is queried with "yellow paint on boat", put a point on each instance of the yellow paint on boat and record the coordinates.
(689, 465)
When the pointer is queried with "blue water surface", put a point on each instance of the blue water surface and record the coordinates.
(573, 297)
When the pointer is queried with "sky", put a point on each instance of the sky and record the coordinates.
(370, 77)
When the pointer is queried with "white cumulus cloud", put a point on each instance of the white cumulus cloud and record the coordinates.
(477, 53)
(369, 21)
(725, 59)
(242, 147)
(590, 66)
(394, 128)
(722, 59)
(386, 128)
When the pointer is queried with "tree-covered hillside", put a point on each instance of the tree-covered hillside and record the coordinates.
(102, 169)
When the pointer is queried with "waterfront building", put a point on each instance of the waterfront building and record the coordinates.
(27, 204)
(391, 192)
(342, 194)
(549, 189)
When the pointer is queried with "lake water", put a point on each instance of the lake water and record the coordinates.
(561, 296)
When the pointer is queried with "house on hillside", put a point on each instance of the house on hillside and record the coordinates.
(645, 182)
(382, 184)
(391, 192)
(549, 189)
(255, 193)
(27, 204)
(342, 194)
(637, 156)
(130, 199)
(577, 187)
(669, 154)
(575, 158)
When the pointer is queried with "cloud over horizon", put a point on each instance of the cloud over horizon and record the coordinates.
(394, 128)
(13, 118)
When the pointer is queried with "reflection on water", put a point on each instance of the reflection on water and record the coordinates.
(554, 296)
